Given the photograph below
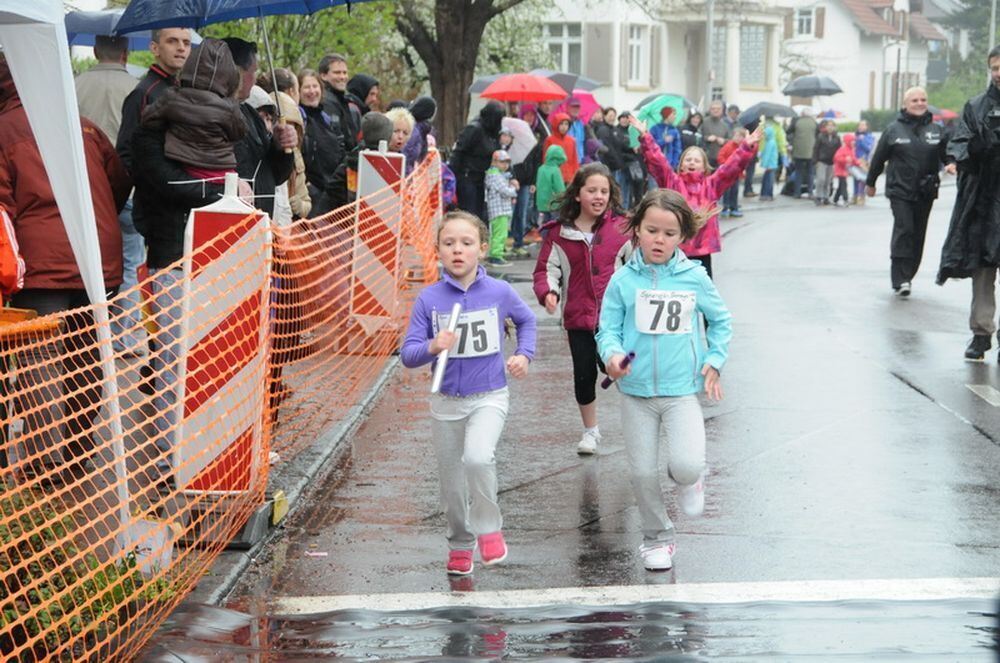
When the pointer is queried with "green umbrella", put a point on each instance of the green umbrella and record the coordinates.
(650, 113)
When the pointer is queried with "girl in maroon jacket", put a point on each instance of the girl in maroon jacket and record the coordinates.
(581, 250)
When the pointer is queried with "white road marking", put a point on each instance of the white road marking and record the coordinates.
(899, 589)
(986, 392)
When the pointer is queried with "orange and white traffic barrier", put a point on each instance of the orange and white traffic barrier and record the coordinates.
(224, 346)
(377, 239)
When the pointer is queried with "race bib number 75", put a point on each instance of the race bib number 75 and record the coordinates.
(478, 333)
(664, 311)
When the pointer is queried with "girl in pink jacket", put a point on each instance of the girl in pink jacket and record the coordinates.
(700, 187)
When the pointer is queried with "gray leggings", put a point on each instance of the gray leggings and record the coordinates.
(466, 432)
(681, 420)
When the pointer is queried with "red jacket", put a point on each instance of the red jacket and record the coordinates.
(699, 190)
(844, 157)
(568, 143)
(26, 194)
(579, 271)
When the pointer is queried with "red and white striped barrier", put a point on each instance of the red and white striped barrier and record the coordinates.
(223, 347)
(378, 231)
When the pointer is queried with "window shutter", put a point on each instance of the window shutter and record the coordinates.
(655, 64)
(820, 19)
(623, 60)
(790, 25)
(596, 63)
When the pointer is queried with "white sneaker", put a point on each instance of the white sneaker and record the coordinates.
(904, 289)
(692, 498)
(588, 443)
(657, 556)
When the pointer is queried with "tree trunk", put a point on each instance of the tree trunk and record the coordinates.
(450, 51)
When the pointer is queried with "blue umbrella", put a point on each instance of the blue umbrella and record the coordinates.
(153, 14)
(83, 27)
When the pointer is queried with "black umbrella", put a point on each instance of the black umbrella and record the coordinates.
(751, 115)
(483, 82)
(812, 86)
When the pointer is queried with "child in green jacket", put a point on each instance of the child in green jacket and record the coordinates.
(549, 183)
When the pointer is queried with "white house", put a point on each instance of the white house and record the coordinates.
(873, 48)
(636, 48)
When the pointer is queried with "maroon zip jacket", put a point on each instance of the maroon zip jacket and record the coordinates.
(578, 271)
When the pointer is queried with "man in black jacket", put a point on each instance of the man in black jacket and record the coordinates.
(263, 158)
(972, 246)
(171, 48)
(914, 148)
(333, 71)
(472, 156)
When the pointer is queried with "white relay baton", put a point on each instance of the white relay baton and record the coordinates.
(442, 360)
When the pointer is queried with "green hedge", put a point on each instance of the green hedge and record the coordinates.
(847, 127)
(878, 120)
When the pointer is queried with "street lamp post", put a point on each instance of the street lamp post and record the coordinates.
(709, 47)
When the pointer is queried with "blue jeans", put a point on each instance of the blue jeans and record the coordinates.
(625, 184)
(524, 210)
(767, 184)
(125, 317)
(166, 359)
(748, 184)
(731, 198)
(803, 176)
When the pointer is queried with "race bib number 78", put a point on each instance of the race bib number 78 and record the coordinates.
(478, 333)
(664, 311)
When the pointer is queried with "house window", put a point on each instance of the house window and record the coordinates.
(804, 23)
(565, 42)
(719, 54)
(753, 55)
(638, 55)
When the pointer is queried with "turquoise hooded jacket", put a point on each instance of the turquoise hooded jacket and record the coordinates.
(664, 301)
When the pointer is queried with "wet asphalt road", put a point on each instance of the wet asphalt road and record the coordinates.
(849, 447)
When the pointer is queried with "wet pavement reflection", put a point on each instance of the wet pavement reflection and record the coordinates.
(957, 630)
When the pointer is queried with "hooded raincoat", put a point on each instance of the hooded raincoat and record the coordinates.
(567, 143)
(973, 239)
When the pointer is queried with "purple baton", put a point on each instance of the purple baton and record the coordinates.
(607, 381)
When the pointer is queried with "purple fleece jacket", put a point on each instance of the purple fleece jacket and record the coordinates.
(473, 375)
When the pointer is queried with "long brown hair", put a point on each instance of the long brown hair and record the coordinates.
(569, 206)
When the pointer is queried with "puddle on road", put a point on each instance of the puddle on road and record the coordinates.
(959, 630)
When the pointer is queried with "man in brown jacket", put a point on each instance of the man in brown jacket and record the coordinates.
(52, 283)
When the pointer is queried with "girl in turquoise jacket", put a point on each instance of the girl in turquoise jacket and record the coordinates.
(651, 308)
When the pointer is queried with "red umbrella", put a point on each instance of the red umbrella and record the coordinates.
(523, 87)
(946, 114)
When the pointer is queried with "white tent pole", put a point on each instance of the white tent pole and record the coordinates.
(39, 63)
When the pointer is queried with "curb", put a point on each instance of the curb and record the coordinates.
(327, 446)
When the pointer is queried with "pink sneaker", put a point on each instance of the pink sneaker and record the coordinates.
(492, 548)
(460, 562)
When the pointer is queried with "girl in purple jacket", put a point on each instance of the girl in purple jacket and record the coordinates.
(468, 414)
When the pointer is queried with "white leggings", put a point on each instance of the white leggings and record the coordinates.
(466, 431)
(643, 419)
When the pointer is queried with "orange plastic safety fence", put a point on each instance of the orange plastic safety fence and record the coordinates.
(122, 477)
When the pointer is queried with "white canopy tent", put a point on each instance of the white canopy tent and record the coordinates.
(33, 37)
